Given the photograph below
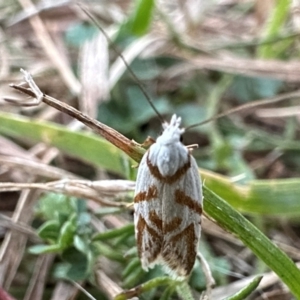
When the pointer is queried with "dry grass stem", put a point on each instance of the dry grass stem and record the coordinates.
(129, 147)
(35, 167)
(110, 287)
(74, 188)
(50, 49)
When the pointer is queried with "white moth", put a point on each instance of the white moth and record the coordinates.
(168, 204)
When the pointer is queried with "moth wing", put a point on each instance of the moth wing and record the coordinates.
(148, 215)
(182, 209)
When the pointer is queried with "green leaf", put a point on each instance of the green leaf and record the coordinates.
(167, 294)
(103, 211)
(41, 249)
(67, 232)
(147, 286)
(77, 34)
(55, 206)
(84, 219)
(81, 244)
(255, 240)
(77, 267)
(49, 230)
(133, 265)
(184, 291)
(140, 21)
(134, 277)
(84, 145)
(274, 23)
(251, 88)
(266, 197)
(110, 234)
(247, 290)
(134, 111)
(91, 258)
(108, 251)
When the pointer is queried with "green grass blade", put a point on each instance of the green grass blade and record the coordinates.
(147, 286)
(268, 197)
(142, 16)
(273, 26)
(247, 290)
(113, 233)
(86, 146)
(184, 291)
(255, 240)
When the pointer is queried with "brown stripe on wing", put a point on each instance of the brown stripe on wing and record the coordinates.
(155, 219)
(183, 199)
(168, 179)
(171, 226)
(152, 247)
(181, 259)
(151, 193)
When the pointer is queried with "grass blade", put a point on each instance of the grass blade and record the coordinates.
(255, 240)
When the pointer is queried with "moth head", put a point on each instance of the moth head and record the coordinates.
(171, 131)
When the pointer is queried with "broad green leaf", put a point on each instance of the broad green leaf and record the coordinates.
(56, 206)
(84, 219)
(77, 34)
(128, 116)
(49, 230)
(81, 244)
(260, 245)
(251, 88)
(84, 145)
(77, 267)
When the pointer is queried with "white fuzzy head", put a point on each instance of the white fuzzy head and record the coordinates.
(172, 132)
(168, 153)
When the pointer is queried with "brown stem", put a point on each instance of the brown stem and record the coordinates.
(131, 148)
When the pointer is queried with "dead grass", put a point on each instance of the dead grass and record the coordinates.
(224, 39)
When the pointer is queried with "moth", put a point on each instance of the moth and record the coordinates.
(168, 204)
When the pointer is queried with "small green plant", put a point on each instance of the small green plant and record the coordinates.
(66, 231)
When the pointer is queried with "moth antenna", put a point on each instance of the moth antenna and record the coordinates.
(125, 62)
(248, 105)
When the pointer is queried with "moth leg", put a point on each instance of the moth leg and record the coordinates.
(210, 282)
(192, 147)
(130, 205)
(148, 142)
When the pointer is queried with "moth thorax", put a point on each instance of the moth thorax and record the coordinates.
(168, 157)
